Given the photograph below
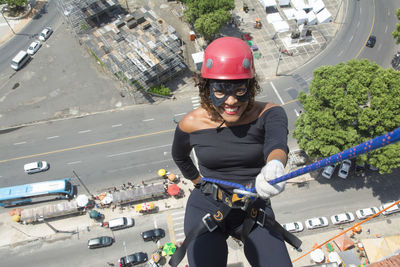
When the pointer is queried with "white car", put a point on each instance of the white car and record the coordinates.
(293, 227)
(328, 171)
(34, 47)
(342, 218)
(395, 208)
(344, 168)
(367, 212)
(45, 34)
(316, 222)
(38, 166)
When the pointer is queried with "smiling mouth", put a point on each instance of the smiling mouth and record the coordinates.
(231, 110)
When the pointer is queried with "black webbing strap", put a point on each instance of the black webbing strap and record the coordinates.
(256, 214)
(266, 221)
(208, 224)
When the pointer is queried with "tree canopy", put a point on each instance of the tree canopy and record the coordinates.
(16, 3)
(348, 104)
(396, 33)
(208, 16)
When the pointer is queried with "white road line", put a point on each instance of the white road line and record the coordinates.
(276, 92)
(52, 137)
(179, 234)
(351, 38)
(180, 114)
(178, 223)
(379, 46)
(358, 24)
(149, 120)
(386, 28)
(84, 131)
(178, 218)
(176, 229)
(155, 223)
(297, 113)
(74, 162)
(139, 150)
(195, 101)
(116, 125)
(20, 143)
(341, 52)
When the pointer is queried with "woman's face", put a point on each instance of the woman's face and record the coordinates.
(230, 98)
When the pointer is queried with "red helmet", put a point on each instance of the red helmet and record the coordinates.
(228, 58)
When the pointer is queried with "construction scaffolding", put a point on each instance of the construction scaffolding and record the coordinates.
(139, 48)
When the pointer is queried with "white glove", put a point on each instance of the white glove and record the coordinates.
(270, 171)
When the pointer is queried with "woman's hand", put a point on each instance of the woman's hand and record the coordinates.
(197, 180)
(270, 171)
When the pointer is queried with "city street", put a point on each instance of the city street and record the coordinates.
(62, 107)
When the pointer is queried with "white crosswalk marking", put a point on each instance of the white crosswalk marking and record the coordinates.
(178, 219)
(195, 102)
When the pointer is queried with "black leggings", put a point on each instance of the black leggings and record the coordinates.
(262, 247)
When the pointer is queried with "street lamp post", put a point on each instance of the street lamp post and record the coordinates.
(7, 22)
(279, 59)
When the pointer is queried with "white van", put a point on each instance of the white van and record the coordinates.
(19, 60)
(120, 223)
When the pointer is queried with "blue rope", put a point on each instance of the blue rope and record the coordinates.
(377, 142)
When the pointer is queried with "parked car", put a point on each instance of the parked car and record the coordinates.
(133, 259)
(395, 208)
(99, 242)
(293, 227)
(153, 235)
(342, 218)
(38, 166)
(316, 222)
(33, 47)
(371, 41)
(344, 168)
(396, 61)
(367, 212)
(120, 223)
(46, 32)
(328, 171)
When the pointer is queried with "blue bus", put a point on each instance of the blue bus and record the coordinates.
(20, 194)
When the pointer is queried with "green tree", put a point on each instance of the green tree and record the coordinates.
(16, 4)
(210, 24)
(396, 33)
(348, 104)
(208, 13)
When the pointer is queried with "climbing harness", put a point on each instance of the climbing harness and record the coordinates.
(246, 198)
(241, 198)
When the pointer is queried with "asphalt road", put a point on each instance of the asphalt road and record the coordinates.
(74, 251)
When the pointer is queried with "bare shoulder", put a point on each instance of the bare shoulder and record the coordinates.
(264, 106)
(195, 120)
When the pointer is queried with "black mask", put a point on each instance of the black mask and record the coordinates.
(221, 89)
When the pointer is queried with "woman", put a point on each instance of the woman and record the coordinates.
(235, 139)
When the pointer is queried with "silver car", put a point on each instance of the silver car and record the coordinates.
(344, 168)
(328, 171)
(316, 222)
(367, 212)
(45, 34)
(38, 166)
(34, 47)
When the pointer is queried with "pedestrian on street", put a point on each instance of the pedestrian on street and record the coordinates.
(238, 140)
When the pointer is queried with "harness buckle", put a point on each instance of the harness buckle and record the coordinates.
(262, 223)
(209, 222)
